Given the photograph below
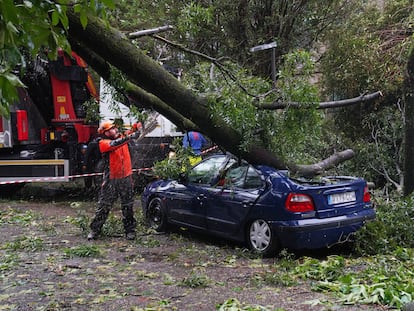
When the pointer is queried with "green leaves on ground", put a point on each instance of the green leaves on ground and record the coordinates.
(382, 279)
(13, 216)
(83, 251)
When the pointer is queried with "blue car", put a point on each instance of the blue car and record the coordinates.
(259, 205)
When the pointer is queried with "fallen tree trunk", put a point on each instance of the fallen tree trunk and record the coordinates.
(147, 100)
(408, 184)
(161, 90)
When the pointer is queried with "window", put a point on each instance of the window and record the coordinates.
(243, 176)
(253, 179)
(235, 176)
(206, 172)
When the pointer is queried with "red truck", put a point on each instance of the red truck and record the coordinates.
(45, 137)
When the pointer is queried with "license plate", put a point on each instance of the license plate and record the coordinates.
(344, 197)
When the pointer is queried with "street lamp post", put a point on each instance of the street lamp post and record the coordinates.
(267, 46)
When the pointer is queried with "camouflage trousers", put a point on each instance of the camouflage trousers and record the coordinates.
(111, 189)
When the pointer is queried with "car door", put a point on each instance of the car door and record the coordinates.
(186, 202)
(228, 205)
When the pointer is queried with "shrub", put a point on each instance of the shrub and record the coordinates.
(391, 230)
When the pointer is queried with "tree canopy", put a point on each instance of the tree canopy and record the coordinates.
(233, 87)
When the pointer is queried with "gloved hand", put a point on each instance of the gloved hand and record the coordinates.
(137, 126)
(134, 135)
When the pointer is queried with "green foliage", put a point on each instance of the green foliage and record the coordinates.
(113, 225)
(116, 87)
(391, 230)
(83, 251)
(385, 280)
(368, 53)
(80, 221)
(291, 133)
(234, 304)
(195, 280)
(173, 166)
(30, 244)
(8, 89)
(8, 261)
(149, 242)
(194, 18)
(14, 216)
(298, 130)
(280, 274)
(380, 153)
(288, 271)
(325, 270)
(92, 110)
(19, 35)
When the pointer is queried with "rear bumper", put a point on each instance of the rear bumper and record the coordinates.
(320, 233)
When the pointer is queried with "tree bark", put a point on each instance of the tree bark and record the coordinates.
(163, 91)
(144, 98)
(409, 127)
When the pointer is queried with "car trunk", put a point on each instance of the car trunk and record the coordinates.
(335, 196)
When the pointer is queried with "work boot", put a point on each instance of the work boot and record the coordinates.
(130, 236)
(92, 235)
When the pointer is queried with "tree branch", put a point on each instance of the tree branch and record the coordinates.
(213, 60)
(320, 167)
(148, 32)
(147, 100)
(322, 105)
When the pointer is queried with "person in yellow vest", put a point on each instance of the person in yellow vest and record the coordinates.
(196, 141)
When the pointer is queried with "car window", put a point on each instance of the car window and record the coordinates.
(253, 179)
(206, 171)
(243, 176)
(236, 175)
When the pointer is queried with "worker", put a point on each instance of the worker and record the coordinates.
(196, 142)
(117, 179)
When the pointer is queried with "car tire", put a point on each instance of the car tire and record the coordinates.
(261, 239)
(156, 217)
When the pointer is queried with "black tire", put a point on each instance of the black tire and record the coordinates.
(156, 217)
(261, 239)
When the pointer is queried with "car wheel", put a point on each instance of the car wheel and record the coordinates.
(261, 239)
(157, 219)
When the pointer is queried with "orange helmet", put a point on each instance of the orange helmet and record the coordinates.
(105, 126)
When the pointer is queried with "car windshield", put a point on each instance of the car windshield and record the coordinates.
(205, 172)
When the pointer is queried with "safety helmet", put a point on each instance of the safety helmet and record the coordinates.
(105, 126)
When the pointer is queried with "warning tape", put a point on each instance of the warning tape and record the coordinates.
(57, 178)
(209, 149)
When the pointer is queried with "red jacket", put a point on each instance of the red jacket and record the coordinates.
(117, 158)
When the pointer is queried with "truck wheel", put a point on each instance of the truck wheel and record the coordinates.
(261, 239)
(156, 217)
